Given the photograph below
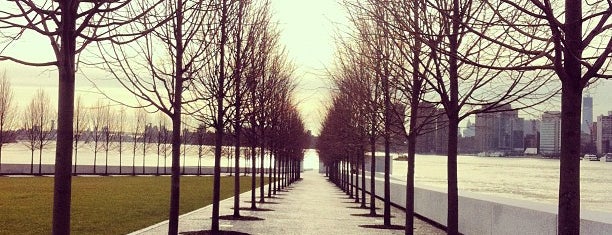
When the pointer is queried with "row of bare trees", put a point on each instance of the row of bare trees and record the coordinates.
(463, 57)
(217, 61)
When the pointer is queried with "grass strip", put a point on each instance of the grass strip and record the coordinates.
(103, 205)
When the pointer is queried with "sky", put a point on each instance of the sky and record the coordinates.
(307, 30)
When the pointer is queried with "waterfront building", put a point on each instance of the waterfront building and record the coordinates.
(531, 132)
(550, 133)
(433, 134)
(470, 130)
(604, 133)
(587, 114)
(501, 131)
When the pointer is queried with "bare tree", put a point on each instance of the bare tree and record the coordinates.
(138, 126)
(98, 120)
(160, 137)
(81, 123)
(45, 123)
(158, 69)
(120, 125)
(146, 137)
(37, 124)
(69, 26)
(110, 121)
(7, 112)
(30, 126)
(574, 42)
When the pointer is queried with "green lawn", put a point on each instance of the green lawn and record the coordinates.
(102, 205)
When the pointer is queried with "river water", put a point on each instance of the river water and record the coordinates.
(531, 179)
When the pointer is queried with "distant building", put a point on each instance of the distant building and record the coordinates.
(433, 135)
(550, 133)
(587, 114)
(499, 131)
(396, 127)
(531, 132)
(470, 130)
(604, 133)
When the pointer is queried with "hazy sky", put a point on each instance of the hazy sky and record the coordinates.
(307, 31)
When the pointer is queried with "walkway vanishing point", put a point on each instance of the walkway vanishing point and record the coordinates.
(310, 206)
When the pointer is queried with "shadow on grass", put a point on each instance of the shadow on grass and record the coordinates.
(378, 226)
(240, 218)
(370, 215)
(253, 209)
(209, 232)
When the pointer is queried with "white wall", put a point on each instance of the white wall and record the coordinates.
(485, 214)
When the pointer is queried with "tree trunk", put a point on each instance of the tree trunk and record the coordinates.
(176, 125)
(40, 160)
(373, 173)
(63, 153)
(76, 151)
(253, 176)
(387, 132)
(134, 157)
(32, 162)
(144, 150)
(219, 121)
(357, 180)
(275, 187)
(409, 226)
(452, 111)
(261, 172)
(120, 154)
(569, 182)
(237, 117)
(270, 176)
(106, 159)
(95, 157)
(363, 180)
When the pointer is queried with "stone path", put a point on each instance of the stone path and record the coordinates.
(310, 206)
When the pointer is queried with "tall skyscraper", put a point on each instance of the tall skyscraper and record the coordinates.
(587, 114)
(499, 131)
(550, 134)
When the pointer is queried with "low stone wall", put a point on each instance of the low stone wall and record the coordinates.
(484, 214)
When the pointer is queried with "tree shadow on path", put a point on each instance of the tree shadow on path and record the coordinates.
(240, 218)
(379, 226)
(209, 232)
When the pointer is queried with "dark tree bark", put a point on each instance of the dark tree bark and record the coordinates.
(571, 95)
(219, 119)
(63, 154)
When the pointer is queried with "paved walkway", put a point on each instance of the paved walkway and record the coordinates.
(310, 206)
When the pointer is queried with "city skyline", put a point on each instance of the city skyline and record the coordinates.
(310, 44)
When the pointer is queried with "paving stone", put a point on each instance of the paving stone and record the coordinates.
(310, 206)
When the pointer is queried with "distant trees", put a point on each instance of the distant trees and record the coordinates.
(160, 67)
(70, 26)
(81, 122)
(8, 112)
(138, 126)
(98, 120)
(38, 125)
(120, 131)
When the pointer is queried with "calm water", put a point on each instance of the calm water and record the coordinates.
(520, 178)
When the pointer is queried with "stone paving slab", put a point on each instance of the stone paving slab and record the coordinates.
(310, 206)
